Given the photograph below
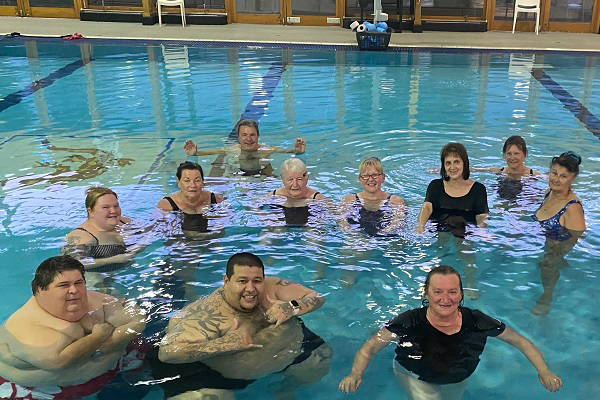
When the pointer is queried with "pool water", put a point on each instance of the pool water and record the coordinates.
(117, 114)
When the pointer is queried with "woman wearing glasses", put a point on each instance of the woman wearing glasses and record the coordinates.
(373, 211)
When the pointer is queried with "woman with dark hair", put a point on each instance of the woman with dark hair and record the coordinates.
(510, 177)
(454, 200)
(514, 153)
(439, 344)
(561, 217)
(192, 200)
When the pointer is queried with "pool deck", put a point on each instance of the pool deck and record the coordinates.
(332, 35)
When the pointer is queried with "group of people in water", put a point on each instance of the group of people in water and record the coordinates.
(67, 340)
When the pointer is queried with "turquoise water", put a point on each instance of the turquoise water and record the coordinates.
(140, 102)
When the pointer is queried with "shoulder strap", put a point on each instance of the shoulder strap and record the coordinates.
(274, 192)
(174, 205)
(315, 195)
(531, 171)
(90, 233)
(501, 170)
(213, 198)
(357, 198)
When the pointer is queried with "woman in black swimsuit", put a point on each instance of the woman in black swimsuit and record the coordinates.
(295, 194)
(98, 242)
(192, 200)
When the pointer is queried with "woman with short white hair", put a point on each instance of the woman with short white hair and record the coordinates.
(295, 193)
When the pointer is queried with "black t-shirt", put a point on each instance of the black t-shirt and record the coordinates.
(467, 206)
(436, 357)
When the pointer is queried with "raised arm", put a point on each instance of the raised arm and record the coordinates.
(547, 378)
(195, 333)
(288, 298)
(191, 149)
(299, 148)
(368, 350)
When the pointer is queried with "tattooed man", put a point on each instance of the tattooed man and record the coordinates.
(243, 331)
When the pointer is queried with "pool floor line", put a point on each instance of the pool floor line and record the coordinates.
(16, 97)
(254, 110)
(581, 112)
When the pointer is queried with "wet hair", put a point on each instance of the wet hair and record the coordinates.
(441, 270)
(370, 162)
(245, 260)
(515, 141)
(92, 194)
(293, 165)
(458, 150)
(247, 122)
(50, 268)
(190, 166)
(568, 160)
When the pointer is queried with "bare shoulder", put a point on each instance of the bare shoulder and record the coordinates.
(219, 198)
(125, 220)
(79, 237)
(201, 320)
(397, 200)
(30, 327)
(273, 281)
(349, 198)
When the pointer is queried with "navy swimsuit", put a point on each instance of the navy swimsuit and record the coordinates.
(552, 227)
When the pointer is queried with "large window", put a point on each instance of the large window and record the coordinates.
(257, 6)
(313, 7)
(571, 11)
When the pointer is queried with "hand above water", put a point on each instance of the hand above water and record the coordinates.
(279, 311)
(300, 146)
(190, 148)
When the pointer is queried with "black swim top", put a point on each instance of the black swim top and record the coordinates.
(193, 222)
(103, 251)
(370, 221)
(502, 170)
(175, 207)
(436, 357)
(552, 227)
(295, 216)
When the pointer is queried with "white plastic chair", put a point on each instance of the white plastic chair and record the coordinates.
(170, 3)
(527, 6)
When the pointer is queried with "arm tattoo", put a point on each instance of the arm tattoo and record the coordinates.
(73, 240)
(287, 309)
(202, 320)
(312, 303)
(283, 282)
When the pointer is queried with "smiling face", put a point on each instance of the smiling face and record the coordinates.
(244, 290)
(514, 157)
(295, 184)
(191, 183)
(65, 297)
(454, 165)
(106, 212)
(560, 179)
(248, 138)
(444, 294)
(371, 179)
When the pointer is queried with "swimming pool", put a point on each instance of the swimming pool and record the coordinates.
(135, 103)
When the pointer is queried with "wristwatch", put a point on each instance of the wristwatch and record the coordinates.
(296, 306)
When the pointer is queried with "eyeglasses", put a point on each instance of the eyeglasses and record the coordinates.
(366, 177)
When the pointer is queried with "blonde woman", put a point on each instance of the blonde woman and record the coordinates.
(98, 242)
